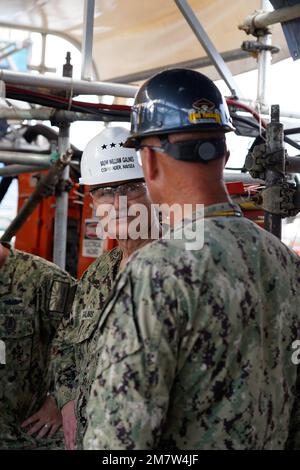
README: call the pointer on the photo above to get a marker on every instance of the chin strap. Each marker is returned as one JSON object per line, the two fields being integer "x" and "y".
{"x": 204, "y": 150}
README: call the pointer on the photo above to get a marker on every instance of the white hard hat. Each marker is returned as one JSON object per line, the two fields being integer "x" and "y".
{"x": 105, "y": 160}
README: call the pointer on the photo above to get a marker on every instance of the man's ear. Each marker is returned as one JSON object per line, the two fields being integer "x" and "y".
{"x": 149, "y": 163}
{"x": 227, "y": 155}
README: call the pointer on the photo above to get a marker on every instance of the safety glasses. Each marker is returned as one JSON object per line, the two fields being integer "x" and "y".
{"x": 139, "y": 148}
{"x": 107, "y": 194}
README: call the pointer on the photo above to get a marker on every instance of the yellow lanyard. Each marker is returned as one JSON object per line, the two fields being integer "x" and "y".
{"x": 224, "y": 214}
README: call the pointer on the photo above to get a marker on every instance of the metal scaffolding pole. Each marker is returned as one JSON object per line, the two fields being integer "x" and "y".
{"x": 264, "y": 62}
{"x": 23, "y": 158}
{"x": 261, "y": 20}
{"x": 62, "y": 201}
{"x": 14, "y": 170}
{"x": 45, "y": 187}
{"x": 64, "y": 83}
{"x": 274, "y": 143}
{"x": 293, "y": 164}
{"x": 245, "y": 178}
{"x": 266, "y": 110}
{"x": 229, "y": 56}
{"x": 60, "y": 34}
{"x": 45, "y": 114}
{"x": 87, "y": 42}
{"x": 41, "y": 68}
{"x": 208, "y": 46}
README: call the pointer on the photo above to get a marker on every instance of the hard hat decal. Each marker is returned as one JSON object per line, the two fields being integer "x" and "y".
{"x": 116, "y": 164}
{"x": 204, "y": 111}
{"x": 195, "y": 117}
{"x": 204, "y": 105}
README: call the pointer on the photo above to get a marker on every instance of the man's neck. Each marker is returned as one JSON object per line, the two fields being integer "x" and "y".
{"x": 130, "y": 246}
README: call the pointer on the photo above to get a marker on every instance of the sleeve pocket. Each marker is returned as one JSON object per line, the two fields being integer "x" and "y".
{"x": 17, "y": 335}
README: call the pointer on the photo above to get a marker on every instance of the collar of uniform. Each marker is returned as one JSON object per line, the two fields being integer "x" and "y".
{"x": 216, "y": 209}
{"x": 7, "y": 271}
{"x": 105, "y": 265}
{"x": 223, "y": 209}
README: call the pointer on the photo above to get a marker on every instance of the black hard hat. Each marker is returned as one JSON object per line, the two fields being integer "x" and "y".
{"x": 178, "y": 100}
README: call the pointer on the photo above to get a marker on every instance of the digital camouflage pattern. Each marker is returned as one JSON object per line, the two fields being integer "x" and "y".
{"x": 195, "y": 346}
{"x": 34, "y": 295}
{"x": 74, "y": 347}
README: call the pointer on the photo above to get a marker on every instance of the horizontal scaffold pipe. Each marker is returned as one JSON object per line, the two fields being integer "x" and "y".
{"x": 73, "y": 86}
{"x": 23, "y": 158}
{"x": 260, "y": 20}
{"x": 14, "y": 170}
{"x": 46, "y": 114}
{"x": 293, "y": 164}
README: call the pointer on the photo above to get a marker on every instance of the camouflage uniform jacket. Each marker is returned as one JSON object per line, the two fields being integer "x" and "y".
{"x": 195, "y": 350}
{"x": 34, "y": 295}
{"x": 74, "y": 347}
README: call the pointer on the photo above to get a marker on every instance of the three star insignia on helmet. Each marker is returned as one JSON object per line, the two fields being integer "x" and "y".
{"x": 104, "y": 146}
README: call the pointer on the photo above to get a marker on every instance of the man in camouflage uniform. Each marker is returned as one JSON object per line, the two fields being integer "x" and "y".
{"x": 34, "y": 295}
{"x": 195, "y": 350}
{"x": 73, "y": 351}
{"x": 74, "y": 348}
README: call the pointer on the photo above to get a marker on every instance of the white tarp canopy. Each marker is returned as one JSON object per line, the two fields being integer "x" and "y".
{"x": 131, "y": 36}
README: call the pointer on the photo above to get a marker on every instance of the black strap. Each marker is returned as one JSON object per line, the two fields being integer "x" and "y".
{"x": 204, "y": 150}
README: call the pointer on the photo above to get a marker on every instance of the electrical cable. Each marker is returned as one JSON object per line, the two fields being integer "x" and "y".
{"x": 252, "y": 124}
{"x": 60, "y": 105}
{"x": 59, "y": 102}
{"x": 245, "y": 107}
{"x": 236, "y": 169}
{"x": 246, "y": 121}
